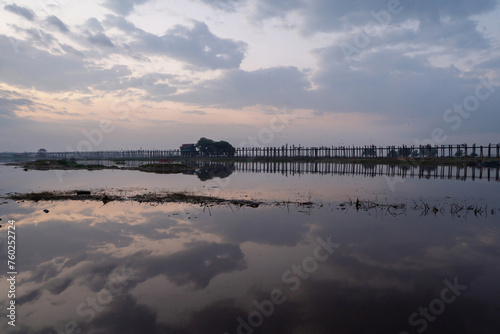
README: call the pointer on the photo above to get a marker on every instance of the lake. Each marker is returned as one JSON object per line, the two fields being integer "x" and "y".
{"x": 419, "y": 254}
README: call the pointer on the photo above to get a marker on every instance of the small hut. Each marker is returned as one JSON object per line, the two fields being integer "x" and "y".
{"x": 41, "y": 153}
{"x": 188, "y": 150}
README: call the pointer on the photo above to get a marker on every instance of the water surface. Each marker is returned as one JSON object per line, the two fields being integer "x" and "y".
{"x": 126, "y": 267}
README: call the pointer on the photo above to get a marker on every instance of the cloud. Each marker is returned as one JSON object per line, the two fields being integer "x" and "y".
{"x": 21, "y": 11}
{"x": 93, "y": 25}
{"x": 100, "y": 39}
{"x": 55, "y": 21}
{"x": 29, "y": 297}
{"x": 265, "y": 227}
{"x": 71, "y": 50}
{"x": 269, "y": 8}
{"x": 277, "y": 86}
{"x": 338, "y": 15}
{"x": 394, "y": 85}
{"x": 492, "y": 63}
{"x": 194, "y": 45}
{"x": 408, "y": 270}
{"x": 195, "y": 112}
{"x": 11, "y": 101}
{"x": 123, "y": 7}
{"x": 42, "y": 270}
{"x": 59, "y": 285}
{"x": 39, "y": 37}
{"x": 198, "y": 264}
{"x": 387, "y": 83}
{"x": 9, "y": 105}
{"x": 153, "y": 85}
{"x": 425, "y": 57}
{"x": 227, "y": 5}
{"x": 31, "y": 67}
{"x": 122, "y": 24}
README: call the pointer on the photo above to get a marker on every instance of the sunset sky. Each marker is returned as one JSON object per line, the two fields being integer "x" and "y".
{"x": 114, "y": 74}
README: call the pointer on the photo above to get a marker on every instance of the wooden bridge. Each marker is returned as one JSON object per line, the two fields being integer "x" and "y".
{"x": 287, "y": 151}
{"x": 441, "y": 151}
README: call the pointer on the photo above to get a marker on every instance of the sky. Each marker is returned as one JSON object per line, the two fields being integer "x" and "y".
{"x": 131, "y": 74}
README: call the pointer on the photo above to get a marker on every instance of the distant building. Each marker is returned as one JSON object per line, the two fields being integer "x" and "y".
{"x": 188, "y": 150}
{"x": 41, "y": 153}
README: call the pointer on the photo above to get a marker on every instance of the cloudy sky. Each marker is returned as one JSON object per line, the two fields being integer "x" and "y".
{"x": 125, "y": 74}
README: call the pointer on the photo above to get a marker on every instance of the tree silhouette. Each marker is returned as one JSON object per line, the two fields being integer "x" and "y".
{"x": 210, "y": 148}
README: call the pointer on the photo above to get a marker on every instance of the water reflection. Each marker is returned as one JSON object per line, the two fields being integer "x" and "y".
{"x": 280, "y": 185}
{"x": 124, "y": 268}
{"x": 208, "y": 170}
{"x": 404, "y": 171}
{"x": 204, "y": 170}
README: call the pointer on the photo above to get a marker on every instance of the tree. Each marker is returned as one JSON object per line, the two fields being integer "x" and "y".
{"x": 370, "y": 152}
{"x": 223, "y": 148}
{"x": 429, "y": 151}
{"x": 210, "y": 171}
{"x": 404, "y": 152}
{"x": 209, "y": 148}
{"x": 205, "y": 146}
{"x": 392, "y": 154}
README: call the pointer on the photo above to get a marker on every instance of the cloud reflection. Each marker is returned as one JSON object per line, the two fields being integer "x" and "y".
{"x": 383, "y": 272}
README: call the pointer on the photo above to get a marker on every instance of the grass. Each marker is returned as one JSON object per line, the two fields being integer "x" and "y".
{"x": 455, "y": 209}
{"x": 151, "y": 197}
{"x": 39, "y": 196}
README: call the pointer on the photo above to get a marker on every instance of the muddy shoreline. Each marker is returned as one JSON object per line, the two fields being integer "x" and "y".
{"x": 453, "y": 207}
{"x": 44, "y": 165}
{"x": 147, "y": 197}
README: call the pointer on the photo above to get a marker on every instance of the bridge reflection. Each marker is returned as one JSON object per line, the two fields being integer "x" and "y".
{"x": 207, "y": 170}
{"x": 404, "y": 171}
